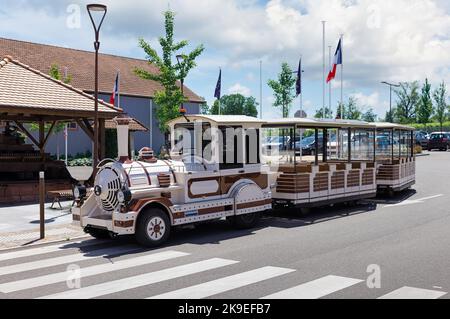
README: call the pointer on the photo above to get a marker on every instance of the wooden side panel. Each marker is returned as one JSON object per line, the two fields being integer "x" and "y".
{"x": 338, "y": 180}
{"x": 293, "y": 183}
{"x": 321, "y": 182}
{"x": 353, "y": 178}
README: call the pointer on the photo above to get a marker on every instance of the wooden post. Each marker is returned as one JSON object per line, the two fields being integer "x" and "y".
{"x": 41, "y": 142}
{"x": 42, "y": 204}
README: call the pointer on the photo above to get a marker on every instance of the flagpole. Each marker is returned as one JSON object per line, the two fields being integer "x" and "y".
{"x": 260, "y": 90}
{"x": 342, "y": 76}
{"x": 118, "y": 88}
{"x": 220, "y": 72}
{"x": 323, "y": 71}
{"x": 329, "y": 84}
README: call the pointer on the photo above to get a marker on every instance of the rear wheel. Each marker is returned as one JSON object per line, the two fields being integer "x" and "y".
{"x": 246, "y": 221}
{"x": 153, "y": 228}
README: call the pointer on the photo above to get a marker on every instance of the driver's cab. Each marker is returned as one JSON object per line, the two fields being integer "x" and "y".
{"x": 217, "y": 151}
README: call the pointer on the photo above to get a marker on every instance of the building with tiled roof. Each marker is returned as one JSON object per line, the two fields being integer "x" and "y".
{"x": 136, "y": 94}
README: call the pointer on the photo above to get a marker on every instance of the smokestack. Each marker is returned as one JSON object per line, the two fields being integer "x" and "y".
{"x": 123, "y": 122}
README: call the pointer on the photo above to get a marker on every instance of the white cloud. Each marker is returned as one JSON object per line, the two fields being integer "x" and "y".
{"x": 371, "y": 101}
{"x": 238, "y": 88}
{"x": 400, "y": 40}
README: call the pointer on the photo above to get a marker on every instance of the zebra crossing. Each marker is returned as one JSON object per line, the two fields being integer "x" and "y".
{"x": 17, "y": 275}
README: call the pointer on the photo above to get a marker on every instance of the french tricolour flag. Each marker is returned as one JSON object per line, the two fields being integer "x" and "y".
{"x": 337, "y": 61}
{"x": 115, "y": 91}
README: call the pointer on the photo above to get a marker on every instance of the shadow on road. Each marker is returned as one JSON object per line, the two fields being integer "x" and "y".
{"x": 392, "y": 200}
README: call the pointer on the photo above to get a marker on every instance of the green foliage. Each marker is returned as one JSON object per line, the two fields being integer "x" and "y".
{"x": 284, "y": 89}
{"x": 408, "y": 101}
{"x": 432, "y": 127}
{"x": 425, "y": 106}
{"x": 442, "y": 109}
{"x": 235, "y": 104}
{"x": 352, "y": 110}
{"x": 81, "y": 159}
{"x": 328, "y": 113}
{"x": 168, "y": 100}
{"x": 369, "y": 116}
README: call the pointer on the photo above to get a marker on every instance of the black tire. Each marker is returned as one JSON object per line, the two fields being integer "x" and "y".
{"x": 161, "y": 228}
{"x": 98, "y": 233}
{"x": 246, "y": 221}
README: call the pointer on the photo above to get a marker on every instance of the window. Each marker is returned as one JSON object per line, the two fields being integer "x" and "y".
{"x": 252, "y": 146}
{"x": 232, "y": 148}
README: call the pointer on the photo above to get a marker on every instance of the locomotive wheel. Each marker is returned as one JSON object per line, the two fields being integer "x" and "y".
{"x": 153, "y": 228}
{"x": 246, "y": 221}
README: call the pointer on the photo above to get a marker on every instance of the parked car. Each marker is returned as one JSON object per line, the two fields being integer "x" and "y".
{"x": 440, "y": 141}
{"x": 422, "y": 138}
{"x": 279, "y": 143}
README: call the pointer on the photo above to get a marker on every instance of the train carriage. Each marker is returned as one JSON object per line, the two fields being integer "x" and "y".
{"x": 320, "y": 162}
{"x": 395, "y": 156}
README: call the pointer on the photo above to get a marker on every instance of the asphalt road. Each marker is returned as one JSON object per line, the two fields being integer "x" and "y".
{"x": 326, "y": 254}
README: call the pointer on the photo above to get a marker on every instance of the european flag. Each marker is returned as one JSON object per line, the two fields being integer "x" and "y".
{"x": 217, "y": 94}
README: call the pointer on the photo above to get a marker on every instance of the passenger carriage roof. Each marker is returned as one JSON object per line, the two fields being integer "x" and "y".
{"x": 219, "y": 119}
{"x": 320, "y": 123}
{"x": 386, "y": 125}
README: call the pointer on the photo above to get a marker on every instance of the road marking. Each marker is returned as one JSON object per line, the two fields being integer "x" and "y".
{"x": 413, "y": 293}
{"x": 225, "y": 284}
{"x": 141, "y": 280}
{"x": 48, "y": 249}
{"x": 83, "y": 256}
{"x": 414, "y": 201}
{"x": 89, "y": 271}
{"x": 315, "y": 289}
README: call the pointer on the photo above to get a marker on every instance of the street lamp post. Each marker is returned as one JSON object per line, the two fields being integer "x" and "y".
{"x": 390, "y": 95}
{"x": 101, "y": 10}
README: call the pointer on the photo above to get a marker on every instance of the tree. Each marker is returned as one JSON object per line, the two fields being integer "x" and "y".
{"x": 389, "y": 117}
{"x": 59, "y": 127}
{"x": 328, "y": 113}
{"x": 169, "y": 99}
{"x": 408, "y": 100}
{"x": 284, "y": 89}
{"x": 352, "y": 110}
{"x": 425, "y": 106}
{"x": 369, "y": 116}
{"x": 442, "y": 109}
{"x": 235, "y": 104}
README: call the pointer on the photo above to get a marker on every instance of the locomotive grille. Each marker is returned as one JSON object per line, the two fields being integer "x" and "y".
{"x": 108, "y": 183}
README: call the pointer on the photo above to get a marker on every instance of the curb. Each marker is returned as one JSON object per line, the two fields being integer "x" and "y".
{"x": 44, "y": 243}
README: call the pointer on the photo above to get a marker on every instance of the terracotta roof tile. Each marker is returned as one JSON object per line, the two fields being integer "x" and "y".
{"x": 135, "y": 125}
{"x": 80, "y": 64}
{"x": 22, "y": 87}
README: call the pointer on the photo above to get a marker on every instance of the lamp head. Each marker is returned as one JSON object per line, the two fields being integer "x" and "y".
{"x": 97, "y": 9}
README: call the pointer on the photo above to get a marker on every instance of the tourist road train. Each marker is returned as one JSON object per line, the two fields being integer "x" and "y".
{"x": 237, "y": 167}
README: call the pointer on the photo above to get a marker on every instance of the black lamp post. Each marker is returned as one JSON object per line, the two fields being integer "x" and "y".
{"x": 390, "y": 95}
{"x": 99, "y": 10}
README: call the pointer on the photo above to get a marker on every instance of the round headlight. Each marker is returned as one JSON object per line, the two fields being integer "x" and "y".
{"x": 121, "y": 197}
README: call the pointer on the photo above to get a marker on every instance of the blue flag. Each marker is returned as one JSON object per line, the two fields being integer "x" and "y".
{"x": 299, "y": 79}
{"x": 217, "y": 94}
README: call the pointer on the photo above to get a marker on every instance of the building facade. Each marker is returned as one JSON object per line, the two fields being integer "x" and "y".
{"x": 136, "y": 94}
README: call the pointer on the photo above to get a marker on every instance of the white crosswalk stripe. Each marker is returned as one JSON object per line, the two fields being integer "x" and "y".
{"x": 315, "y": 289}
{"x": 89, "y": 271}
{"x": 225, "y": 284}
{"x": 413, "y": 293}
{"x": 47, "y": 249}
{"x": 142, "y": 280}
{"x": 77, "y": 257}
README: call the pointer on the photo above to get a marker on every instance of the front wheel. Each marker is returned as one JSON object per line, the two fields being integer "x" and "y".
{"x": 153, "y": 228}
{"x": 246, "y": 221}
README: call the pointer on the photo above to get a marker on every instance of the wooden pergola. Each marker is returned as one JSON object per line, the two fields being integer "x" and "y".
{"x": 29, "y": 96}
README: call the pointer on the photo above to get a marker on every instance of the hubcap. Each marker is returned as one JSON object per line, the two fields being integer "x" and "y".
{"x": 156, "y": 228}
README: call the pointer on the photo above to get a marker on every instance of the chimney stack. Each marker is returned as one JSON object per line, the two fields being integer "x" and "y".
{"x": 123, "y": 129}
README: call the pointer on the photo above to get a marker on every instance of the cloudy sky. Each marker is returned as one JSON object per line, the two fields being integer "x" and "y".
{"x": 384, "y": 40}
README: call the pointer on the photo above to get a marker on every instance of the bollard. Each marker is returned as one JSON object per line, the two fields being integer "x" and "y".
{"x": 42, "y": 203}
